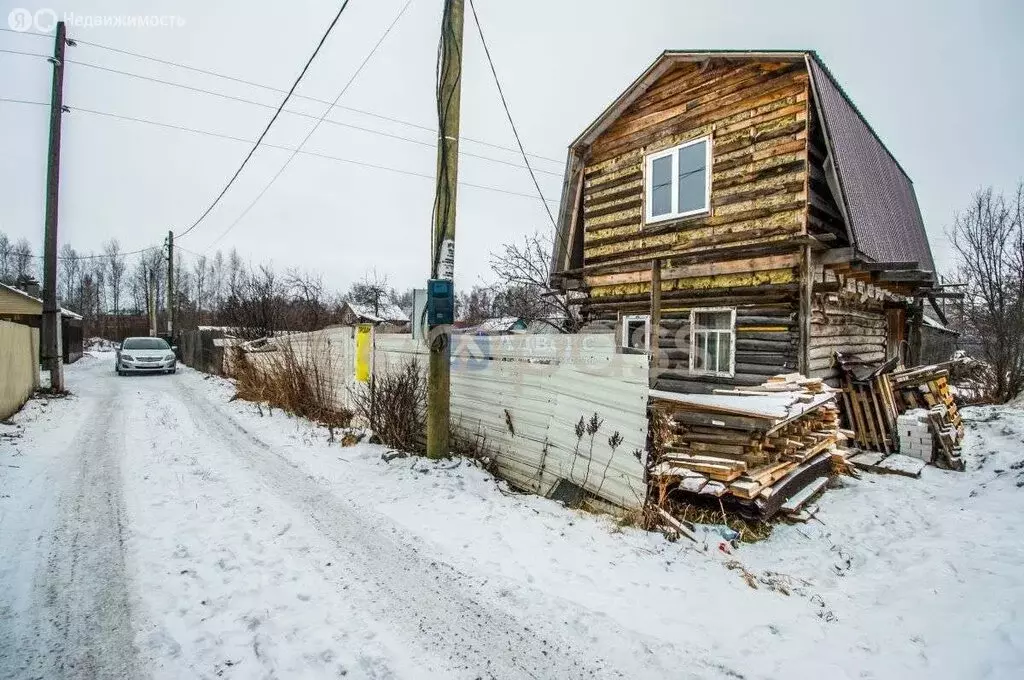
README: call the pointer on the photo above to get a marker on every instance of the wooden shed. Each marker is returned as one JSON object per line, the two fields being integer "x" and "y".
{"x": 734, "y": 215}
{"x": 19, "y": 306}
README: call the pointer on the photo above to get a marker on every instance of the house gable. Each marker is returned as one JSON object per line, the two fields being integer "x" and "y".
{"x": 862, "y": 195}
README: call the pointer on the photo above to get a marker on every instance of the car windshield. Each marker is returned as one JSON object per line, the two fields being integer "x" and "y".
{"x": 145, "y": 343}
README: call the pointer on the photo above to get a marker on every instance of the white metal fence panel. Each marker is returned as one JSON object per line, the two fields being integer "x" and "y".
{"x": 523, "y": 396}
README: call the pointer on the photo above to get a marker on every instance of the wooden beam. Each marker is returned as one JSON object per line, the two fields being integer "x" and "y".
{"x": 705, "y": 268}
{"x": 806, "y": 309}
{"x": 908, "y": 275}
{"x": 655, "y": 321}
{"x": 889, "y": 266}
{"x": 835, "y": 256}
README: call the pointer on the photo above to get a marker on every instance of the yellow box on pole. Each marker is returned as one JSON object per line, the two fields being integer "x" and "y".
{"x": 364, "y": 352}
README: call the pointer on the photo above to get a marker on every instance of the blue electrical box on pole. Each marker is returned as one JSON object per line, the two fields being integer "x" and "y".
{"x": 440, "y": 302}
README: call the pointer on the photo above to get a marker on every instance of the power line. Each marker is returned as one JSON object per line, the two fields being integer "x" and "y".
{"x": 95, "y": 256}
{"x": 304, "y": 152}
{"x": 24, "y": 101}
{"x": 266, "y": 130}
{"x": 316, "y": 127}
{"x": 319, "y": 119}
{"x": 32, "y": 33}
{"x": 508, "y": 113}
{"x": 271, "y": 88}
{"x": 25, "y": 54}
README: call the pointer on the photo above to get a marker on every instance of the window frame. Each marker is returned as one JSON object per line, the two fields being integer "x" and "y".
{"x": 732, "y": 346}
{"x": 624, "y": 335}
{"x": 673, "y": 153}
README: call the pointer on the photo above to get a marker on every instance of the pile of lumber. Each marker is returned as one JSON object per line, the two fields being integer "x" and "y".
{"x": 756, "y": 446}
{"x": 927, "y": 387}
{"x": 873, "y": 402}
{"x": 870, "y": 408}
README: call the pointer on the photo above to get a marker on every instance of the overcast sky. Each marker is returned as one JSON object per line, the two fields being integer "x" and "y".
{"x": 940, "y": 81}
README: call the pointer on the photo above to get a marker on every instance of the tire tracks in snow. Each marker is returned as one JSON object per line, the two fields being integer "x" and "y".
{"x": 82, "y": 617}
{"x": 436, "y": 606}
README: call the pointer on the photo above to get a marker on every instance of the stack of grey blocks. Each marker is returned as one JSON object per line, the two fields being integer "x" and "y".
{"x": 914, "y": 435}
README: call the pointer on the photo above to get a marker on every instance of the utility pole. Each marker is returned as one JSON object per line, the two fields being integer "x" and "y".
{"x": 170, "y": 286}
{"x": 51, "y": 352}
{"x": 151, "y": 301}
{"x": 449, "y": 104}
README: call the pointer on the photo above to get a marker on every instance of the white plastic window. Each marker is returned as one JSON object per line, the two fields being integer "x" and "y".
{"x": 678, "y": 181}
{"x": 713, "y": 341}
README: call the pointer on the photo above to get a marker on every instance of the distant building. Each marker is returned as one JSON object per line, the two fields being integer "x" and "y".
{"x": 388, "y": 317}
{"x": 22, "y": 307}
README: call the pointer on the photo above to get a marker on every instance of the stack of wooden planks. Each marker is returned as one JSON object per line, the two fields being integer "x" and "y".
{"x": 927, "y": 387}
{"x": 871, "y": 409}
{"x": 758, "y": 446}
{"x": 872, "y": 403}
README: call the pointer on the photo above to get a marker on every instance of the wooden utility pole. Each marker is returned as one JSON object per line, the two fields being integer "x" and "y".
{"x": 151, "y": 302}
{"x": 449, "y": 103}
{"x": 51, "y": 330}
{"x": 170, "y": 285}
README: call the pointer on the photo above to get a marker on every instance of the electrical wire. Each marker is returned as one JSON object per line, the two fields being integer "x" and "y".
{"x": 95, "y": 257}
{"x": 508, "y": 114}
{"x": 266, "y": 130}
{"x": 271, "y": 88}
{"x": 25, "y": 54}
{"x": 23, "y": 101}
{"x": 319, "y": 119}
{"x": 32, "y": 33}
{"x": 316, "y": 127}
{"x": 305, "y": 152}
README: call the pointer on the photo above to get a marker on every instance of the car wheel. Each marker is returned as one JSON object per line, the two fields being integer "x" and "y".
{"x": 120, "y": 372}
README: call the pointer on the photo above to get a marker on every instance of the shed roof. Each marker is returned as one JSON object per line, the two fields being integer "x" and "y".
{"x": 877, "y": 194}
{"x": 385, "y": 312}
{"x": 67, "y": 313}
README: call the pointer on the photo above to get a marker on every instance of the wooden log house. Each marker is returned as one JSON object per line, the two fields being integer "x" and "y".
{"x": 736, "y": 217}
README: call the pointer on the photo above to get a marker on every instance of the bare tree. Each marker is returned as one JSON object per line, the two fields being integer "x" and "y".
{"x": 372, "y": 292}
{"x": 256, "y": 302}
{"x": 477, "y": 305}
{"x": 200, "y": 274}
{"x": 307, "y": 302}
{"x": 989, "y": 240}
{"x": 524, "y": 270}
{"x": 6, "y": 267}
{"x": 70, "y": 277}
{"x": 116, "y": 267}
{"x": 22, "y": 261}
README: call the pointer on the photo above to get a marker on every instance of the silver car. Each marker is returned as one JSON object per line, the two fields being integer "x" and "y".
{"x": 145, "y": 355}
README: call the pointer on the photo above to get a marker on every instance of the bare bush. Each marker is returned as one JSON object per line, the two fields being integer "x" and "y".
{"x": 989, "y": 241}
{"x": 524, "y": 271}
{"x": 296, "y": 379}
{"x": 395, "y": 406}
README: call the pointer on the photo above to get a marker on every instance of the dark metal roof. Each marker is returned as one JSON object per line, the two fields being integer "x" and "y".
{"x": 878, "y": 195}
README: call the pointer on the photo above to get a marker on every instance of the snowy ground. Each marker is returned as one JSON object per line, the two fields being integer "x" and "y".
{"x": 151, "y": 528}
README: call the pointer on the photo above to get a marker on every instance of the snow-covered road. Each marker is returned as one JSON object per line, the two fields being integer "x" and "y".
{"x": 151, "y": 527}
{"x": 161, "y": 538}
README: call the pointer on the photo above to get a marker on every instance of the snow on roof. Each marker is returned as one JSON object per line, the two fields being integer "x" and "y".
{"x": 64, "y": 312}
{"x": 385, "y": 312}
{"x": 936, "y": 324}
{"x": 496, "y": 325}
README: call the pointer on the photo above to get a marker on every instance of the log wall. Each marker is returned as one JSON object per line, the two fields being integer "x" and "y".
{"x": 849, "y": 318}
{"x": 744, "y": 253}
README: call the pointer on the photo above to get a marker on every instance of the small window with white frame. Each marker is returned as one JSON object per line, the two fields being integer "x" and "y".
{"x": 677, "y": 181}
{"x": 636, "y": 332}
{"x": 713, "y": 341}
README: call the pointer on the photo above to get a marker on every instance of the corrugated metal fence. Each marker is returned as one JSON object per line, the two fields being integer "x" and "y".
{"x": 525, "y": 395}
